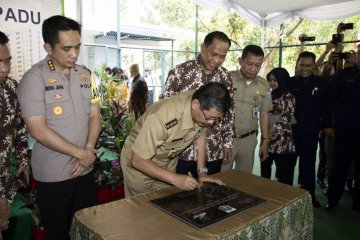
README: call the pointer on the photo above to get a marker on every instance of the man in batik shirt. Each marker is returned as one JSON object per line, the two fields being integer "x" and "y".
{"x": 13, "y": 135}
{"x": 191, "y": 75}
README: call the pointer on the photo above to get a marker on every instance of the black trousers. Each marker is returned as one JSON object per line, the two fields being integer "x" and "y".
{"x": 321, "y": 173}
{"x": 185, "y": 166}
{"x": 306, "y": 146}
{"x": 285, "y": 165}
{"x": 347, "y": 147}
{"x": 58, "y": 201}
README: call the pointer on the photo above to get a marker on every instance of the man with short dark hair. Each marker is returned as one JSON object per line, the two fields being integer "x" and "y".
{"x": 149, "y": 155}
{"x": 252, "y": 102}
{"x": 311, "y": 93}
{"x": 191, "y": 75}
{"x": 63, "y": 115}
{"x": 13, "y": 135}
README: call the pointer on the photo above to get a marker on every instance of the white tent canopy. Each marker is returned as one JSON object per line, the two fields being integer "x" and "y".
{"x": 270, "y": 13}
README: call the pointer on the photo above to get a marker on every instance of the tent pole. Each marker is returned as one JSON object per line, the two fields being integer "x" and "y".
{"x": 281, "y": 43}
{"x": 118, "y": 34}
{"x": 262, "y": 39}
{"x": 79, "y": 18}
{"x": 196, "y": 30}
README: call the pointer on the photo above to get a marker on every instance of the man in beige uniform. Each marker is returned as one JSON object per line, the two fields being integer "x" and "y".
{"x": 149, "y": 156}
{"x": 252, "y": 98}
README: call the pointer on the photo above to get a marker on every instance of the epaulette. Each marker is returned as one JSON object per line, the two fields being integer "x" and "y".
{"x": 171, "y": 123}
{"x": 86, "y": 68}
{"x": 51, "y": 65}
{"x": 263, "y": 81}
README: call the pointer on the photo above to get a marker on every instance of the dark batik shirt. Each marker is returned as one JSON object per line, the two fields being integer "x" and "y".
{"x": 13, "y": 136}
{"x": 281, "y": 141}
{"x": 189, "y": 76}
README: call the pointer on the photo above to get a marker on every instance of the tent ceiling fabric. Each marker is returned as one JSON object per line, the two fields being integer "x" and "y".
{"x": 270, "y": 13}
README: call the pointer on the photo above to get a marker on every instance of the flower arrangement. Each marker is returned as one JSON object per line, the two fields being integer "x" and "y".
{"x": 115, "y": 119}
{"x": 116, "y": 124}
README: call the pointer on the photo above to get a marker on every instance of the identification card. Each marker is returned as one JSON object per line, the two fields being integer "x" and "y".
{"x": 255, "y": 112}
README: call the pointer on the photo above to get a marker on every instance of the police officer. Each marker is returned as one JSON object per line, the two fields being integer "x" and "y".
{"x": 63, "y": 116}
{"x": 252, "y": 102}
{"x": 310, "y": 100}
{"x": 344, "y": 101}
{"x": 149, "y": 155}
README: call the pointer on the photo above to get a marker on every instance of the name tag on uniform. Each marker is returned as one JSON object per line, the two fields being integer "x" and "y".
{"x": 177, "y": 139}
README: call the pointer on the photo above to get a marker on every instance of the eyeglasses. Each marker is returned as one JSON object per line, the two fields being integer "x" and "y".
{"x": 208, "y": 118}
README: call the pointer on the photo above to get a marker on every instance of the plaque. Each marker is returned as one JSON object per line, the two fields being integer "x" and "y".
{"x": 208, "y": 205}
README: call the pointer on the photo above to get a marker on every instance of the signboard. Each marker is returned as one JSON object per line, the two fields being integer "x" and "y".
{"x": 22, "y": 21}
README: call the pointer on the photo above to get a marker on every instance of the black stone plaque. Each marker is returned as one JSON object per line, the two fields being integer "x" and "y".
{"x": 208, "y": 205}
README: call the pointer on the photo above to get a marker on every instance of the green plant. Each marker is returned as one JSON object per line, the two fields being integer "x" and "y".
{"x": 115, "y": 119}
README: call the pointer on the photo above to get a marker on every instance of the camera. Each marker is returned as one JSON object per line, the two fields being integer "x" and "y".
{"x": 343, "y": 55}
{"x": 345, "y": 26}
{"x": 304, "y": 38}
{"x": 337, "y": 38}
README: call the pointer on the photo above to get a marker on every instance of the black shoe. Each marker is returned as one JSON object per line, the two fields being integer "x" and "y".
{"x": 331, "y": 206}
{"x": 321, "y": 183}
{"x": 316, "y": 203}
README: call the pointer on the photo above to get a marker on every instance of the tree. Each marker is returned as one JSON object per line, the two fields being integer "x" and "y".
{"x": 181, "y": 14}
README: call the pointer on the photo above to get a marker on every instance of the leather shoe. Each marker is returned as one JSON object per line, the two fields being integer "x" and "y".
{"x": 321, "y": 183}
{"x": 330, "y": 206}
{"x": 316, "y": 203}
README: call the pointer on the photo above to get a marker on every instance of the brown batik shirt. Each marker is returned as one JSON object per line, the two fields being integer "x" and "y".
{"x": 13, "y": 136}
{"x": 189, "y": 76}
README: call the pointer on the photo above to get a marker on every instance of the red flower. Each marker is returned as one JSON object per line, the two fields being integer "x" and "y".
{"x": 32, "y": 185}
{"x": 39, "y": 233}
{"x": 119, "y": 192}
{"x": 103, "y": 195}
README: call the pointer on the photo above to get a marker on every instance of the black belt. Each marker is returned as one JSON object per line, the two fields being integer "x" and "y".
{"x": 245, "y": 134}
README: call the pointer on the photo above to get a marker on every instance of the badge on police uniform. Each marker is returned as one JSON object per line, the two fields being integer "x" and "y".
{"x": 83, "y": 77}
{"x": 52, "y": 80}
{"x": 58, "y": 110}
{"x": 57, "y": 96}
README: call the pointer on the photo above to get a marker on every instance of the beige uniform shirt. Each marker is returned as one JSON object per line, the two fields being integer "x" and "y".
{"x": 159, "y": 135}
{"x": 44, "y": 91}
{"x": 248, "y": 99}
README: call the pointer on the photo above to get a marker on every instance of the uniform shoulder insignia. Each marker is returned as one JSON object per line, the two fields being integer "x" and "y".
{"x": 262, "y": 80}
{"x": 171, "y": 123}
{"x": 86, "y": 68}
{"x": 51, "y": 65}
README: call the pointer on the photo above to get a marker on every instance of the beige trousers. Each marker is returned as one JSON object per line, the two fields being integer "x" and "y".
{"x": 242, "y": 154}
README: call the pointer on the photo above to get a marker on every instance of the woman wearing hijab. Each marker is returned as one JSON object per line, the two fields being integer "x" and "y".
{"x": 281, "y": 117}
